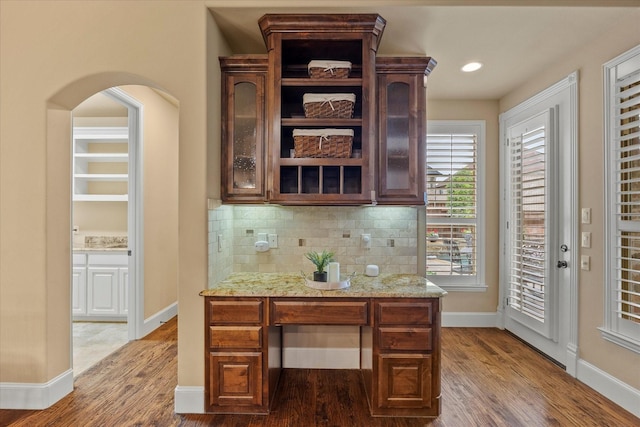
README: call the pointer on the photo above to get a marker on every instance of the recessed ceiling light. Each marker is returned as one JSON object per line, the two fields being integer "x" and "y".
{"x": 471, "y": 66}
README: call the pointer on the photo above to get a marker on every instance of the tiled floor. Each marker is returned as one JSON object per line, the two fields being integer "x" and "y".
{"x": 92, "y": 341}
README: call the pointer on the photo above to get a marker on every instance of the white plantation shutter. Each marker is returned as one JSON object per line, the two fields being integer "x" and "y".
{"x": 453, "y": 209}
{"x": 452, "y": 164}
{"x": 622, "y": 322}
{"x": 627, "y": 176}
{"x": 527, "y": 278}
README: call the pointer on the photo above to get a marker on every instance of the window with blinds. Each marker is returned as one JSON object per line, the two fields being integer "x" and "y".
{"x": 453, "y": 191}
{"x": 622, "y": 90}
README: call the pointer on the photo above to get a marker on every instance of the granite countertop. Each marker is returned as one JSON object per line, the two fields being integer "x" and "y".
{"x": 293, "y": 285}
{"x": 86, "y": 249}
{"x": 103, "y": 244}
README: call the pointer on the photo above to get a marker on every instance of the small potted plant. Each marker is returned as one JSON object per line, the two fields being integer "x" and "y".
{"x": 320, "y": 260}
{"x": 433, "y": 236}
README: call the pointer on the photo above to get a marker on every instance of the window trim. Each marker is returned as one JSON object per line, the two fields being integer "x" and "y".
{"x": 625, "y": 64}
{"x": 477, "y": 282}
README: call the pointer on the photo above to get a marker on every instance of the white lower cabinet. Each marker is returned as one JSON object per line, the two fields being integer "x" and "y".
{"x": 79, "y": 291}
{"x": 123, "y": 292}
{"x": 102, "y": 291}
{"x": 100, "y": 288}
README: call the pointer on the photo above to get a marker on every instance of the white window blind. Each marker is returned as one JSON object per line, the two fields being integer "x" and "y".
{"x": 622, "y": 322}
{"x": 453, "y": 192}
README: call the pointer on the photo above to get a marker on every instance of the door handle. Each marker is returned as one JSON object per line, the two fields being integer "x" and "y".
{"x": 562, "y": 264}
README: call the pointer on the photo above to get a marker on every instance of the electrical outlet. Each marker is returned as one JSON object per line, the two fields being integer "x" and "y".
{"x": 366, "y": 240}
{"x": 273, "y": 240}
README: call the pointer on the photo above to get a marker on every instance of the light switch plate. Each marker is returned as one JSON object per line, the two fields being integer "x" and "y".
{"x": 273, "y": 241}
{"x": 586, "y": 215}
{"x": 586, "y": 239}
{"x": 585, "y": 262}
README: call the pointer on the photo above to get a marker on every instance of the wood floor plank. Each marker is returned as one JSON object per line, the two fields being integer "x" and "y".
{"x": 489, "y": 378}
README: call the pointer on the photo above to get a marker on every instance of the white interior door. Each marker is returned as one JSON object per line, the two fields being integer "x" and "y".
{"x": 539, "y": 226}
{"x": 133, "y": 294}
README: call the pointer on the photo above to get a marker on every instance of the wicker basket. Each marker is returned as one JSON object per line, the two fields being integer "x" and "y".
{"x": 323, "y": 142}
{"x": 328, "y": 105}
{"x": 327, "y": 69}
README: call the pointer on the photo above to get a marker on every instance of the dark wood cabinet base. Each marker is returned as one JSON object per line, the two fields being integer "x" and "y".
{"x": 400, "y": 350}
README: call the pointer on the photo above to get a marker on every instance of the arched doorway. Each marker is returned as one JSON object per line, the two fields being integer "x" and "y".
{"x": 160, "y": 137}
{"x": 106, "y": 182}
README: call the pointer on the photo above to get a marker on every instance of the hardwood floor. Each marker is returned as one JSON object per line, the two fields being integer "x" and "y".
{"x": 489, "y": 378}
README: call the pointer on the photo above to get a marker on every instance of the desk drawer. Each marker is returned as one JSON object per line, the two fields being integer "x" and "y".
{"x": 319, "y": 312}
{"x": 405, "y": 339}
{"x": 235, "y": 312}
{"x": 235, "y": 337}
{"x": 410, "y": 313}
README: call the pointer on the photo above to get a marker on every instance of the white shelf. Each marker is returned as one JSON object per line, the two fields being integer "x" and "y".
{"x": 109, "y": 134}
{"x": 103, "y": 157}
{"x": 89, "y": 149}
{"x": 100, "y": 197}
{"x": 102, "y": 176}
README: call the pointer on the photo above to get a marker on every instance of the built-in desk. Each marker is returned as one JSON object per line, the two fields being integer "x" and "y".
{"x": 399, "y": 320}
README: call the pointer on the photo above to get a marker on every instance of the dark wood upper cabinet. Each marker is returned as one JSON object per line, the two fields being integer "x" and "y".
{"x": 293, "y": 41}
{"x": 243, "y": 128}
{"x": 402, "y": 129}
{"x": 284, "y": 153}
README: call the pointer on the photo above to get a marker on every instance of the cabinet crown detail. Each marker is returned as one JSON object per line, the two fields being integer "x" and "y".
{"x": 332, "y": 24}
{"x": 405, "y": 65}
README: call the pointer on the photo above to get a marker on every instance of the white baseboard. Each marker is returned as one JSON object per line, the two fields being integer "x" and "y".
{"x": 572, "y": 359}
{"x": 154, "y": 322}
{"x": 188, "y": 400}
{"x": 610, "y": 387}
{"x": 36, "y": 396}
{"x": 469, "y": 320}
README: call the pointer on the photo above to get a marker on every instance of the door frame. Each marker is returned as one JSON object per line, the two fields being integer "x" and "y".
{"x": 135, "y": 223}
{"x": 567, "y": 318}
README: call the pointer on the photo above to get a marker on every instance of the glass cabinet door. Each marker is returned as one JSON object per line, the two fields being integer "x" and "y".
{"x": 402, "y": 114}
{"x": 401, "y": 142}
{"x": 243, "y": 129}
{"x": 244, "y": 141}
{"x": 398, "y": 143}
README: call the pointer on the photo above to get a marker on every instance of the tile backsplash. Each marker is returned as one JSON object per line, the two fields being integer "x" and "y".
{"x": 233, "y": 230}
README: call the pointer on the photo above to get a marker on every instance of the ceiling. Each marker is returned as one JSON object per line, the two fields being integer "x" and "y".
{"x": 100, "y": 105}
{"x": 513, "y": 42}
